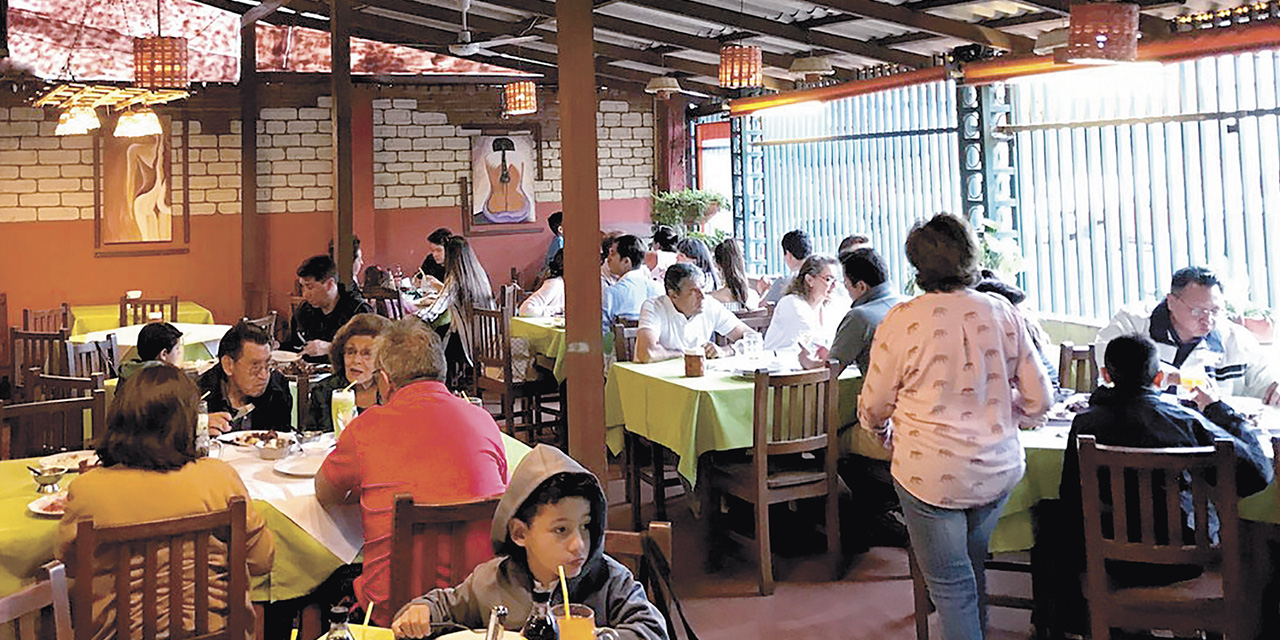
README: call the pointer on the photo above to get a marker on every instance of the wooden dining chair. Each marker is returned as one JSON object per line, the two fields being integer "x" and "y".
{"x": 429, "y": 545}
{"x": 757, "y": 319}
{"x": 6, "y": 361}
{"x": 793, "y": 457}
{"x": 46, "y": 350}
{"x": 1136, "y": 515}
{"x": 32, "y": 429}
{"x": 47, "y": 320}
{"x": 267, "y": 323}
{"x": 94, "y": 356}
{"x": 151, "y": 569}
{"x": 24, "y": 607}
{"x": 385, "y": 302}
{"x": 492, "y": 353}
{"x": 649, "y": 555}
{"x": 1077, "y": 368}
{"x": 139, "y": 310}
{"x": 41, "y": 387}
{"x": 624, "y": 341}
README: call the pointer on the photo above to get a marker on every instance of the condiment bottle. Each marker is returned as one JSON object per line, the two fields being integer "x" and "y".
{"x": 338, "y": 624}
{"x": 540, "y": 625}
{"x": 202, "y": 430}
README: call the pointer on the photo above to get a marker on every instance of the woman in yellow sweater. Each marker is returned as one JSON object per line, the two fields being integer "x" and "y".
{"x": 150, "y": 472}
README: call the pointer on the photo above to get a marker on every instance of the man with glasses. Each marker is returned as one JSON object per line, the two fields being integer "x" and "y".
{"x": 1190, "y": 333}
{"x": 243, "y": 378}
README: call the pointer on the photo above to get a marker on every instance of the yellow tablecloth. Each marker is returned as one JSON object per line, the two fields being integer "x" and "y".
{"x": 301, "y": 563}
{"x": 96, "y": 317}
{"x": 199, "y": 340}
{"x": 546, "y": 336}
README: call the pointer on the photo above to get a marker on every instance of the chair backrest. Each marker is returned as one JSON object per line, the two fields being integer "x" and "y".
{"x": 757, "y": 319}
{"x": 511, "y": 295}
{"x": 39, "y": 387}
{"x": 159, "y": 551}
{"x": 94, "y": 356}
{"x": 1133, "y": 510}
{"x": 795, "y": 412}
{"x": 385, "y": 302}
{"x": 46, "y": 350}
{"x": 624, "y": 341}
{"x": 267, "y": 323}
{"x": 303, "y": 380}
{"x": 5, "y": 361}
{"x": 138, "y": 310}
{"x": 649, "y": 555}
{"x": 1077, "y": 368}
{"x": 417, "y": 533}
{"x": 47, "y": 319}
{"x": 50, "y": 426}
{"x": 23, "y": 608}
{"x": 491, "y": 341}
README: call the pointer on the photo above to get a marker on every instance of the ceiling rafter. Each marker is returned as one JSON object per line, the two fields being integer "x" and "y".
{"x": 603, "y": 67}
{"x": 930, "y": 23}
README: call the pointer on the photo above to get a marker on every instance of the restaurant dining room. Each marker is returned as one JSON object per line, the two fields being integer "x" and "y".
{"x": 718, "y": 319}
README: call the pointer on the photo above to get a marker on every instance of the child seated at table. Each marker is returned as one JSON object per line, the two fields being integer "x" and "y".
{"x": 552, "y": 515}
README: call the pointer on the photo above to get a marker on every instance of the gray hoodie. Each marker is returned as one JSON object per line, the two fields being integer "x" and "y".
{"x": 603, "y": 584}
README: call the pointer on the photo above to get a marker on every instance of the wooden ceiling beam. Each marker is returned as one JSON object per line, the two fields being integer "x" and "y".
{"x": 767, "y": 27}
{"x": 603, "y": 68}
{"x": 930, "y": 23}
{"x": 1153, "y": 26}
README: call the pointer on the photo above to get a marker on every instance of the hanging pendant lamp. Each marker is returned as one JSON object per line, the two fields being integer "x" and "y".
{"x": 741, "y": 66}
{"x": 1102, "y": 33}
{"x": 520, "y": 98}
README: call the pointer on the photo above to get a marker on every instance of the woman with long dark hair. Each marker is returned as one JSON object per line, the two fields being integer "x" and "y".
{"x": 150, "y": 472}
{"x": 466, "y": 287}
{"x": 695, "y": 252}
{"x": 736, "y": 294}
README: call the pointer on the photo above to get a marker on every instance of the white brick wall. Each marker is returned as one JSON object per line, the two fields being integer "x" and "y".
{"x": 295, "y": 159}
{"x": 418, "y": 156}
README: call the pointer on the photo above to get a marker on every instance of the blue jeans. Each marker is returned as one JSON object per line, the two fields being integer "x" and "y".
{"x": 951, "y": 548}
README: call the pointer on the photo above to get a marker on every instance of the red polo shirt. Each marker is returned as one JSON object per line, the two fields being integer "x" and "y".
{"x": 426, "y": 442}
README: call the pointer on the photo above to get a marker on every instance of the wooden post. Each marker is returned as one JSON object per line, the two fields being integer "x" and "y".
{"x": 671, "y": 137}
{"x": 584, "y": 355}
{"x": 343, "y": 143}
{"x": 255, "y": 259}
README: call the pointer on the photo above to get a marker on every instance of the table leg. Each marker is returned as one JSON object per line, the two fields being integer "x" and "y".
{"x": 659, "y": 482}
{"x": 633, "y": 476}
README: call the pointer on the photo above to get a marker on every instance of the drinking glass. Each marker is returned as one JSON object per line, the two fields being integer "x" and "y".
{"x": 343, "y": 410}
{"x": 1190, "y": 377}
{"x": 580, "y": 624}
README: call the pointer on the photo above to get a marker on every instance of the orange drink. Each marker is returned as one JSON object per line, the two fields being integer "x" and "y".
{"x": 579, "y": 625}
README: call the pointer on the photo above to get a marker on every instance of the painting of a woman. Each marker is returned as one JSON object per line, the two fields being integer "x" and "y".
{"x": 503, "y": 170}
{"x": 135, "y": 199}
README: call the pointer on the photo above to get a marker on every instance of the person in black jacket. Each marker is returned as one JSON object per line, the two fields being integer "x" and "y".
{"x": 243, "y": 377}
{"x": 1133, "y": 413}
{"x": 327, "y": 306}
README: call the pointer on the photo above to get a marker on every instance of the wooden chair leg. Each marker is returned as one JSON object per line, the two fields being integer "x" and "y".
{"x": 310, "y": 622}
{"x": 763, "y": 548}
{"x": 633, "y": 477}
{"x": 259, "y": 621}
{"x": 833, "y": 536}
{"x": 920, "y": 593}
{"x": 659, "y": 482}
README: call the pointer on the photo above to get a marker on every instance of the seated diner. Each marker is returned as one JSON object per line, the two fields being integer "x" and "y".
{"x": 352, "y": 358}
{"x": 242, "y": 391}
{"x": 684, "y": 319}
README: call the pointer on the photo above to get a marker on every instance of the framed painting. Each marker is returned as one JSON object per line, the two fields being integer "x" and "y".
{"x": 135, "y": 213}
{"x": 503, "y": 169}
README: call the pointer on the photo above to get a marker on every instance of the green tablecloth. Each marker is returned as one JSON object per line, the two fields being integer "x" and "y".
{"x": 301, "y": 563}
{"x": 546, "y": 337}
{"x": 96, "y": 317}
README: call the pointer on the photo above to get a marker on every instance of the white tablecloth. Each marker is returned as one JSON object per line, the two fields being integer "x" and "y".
{"x": 338, "y": 528}
{"x": 206, "y": 335}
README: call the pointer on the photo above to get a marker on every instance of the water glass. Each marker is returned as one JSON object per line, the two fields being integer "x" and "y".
{"x": 343, "y": 410}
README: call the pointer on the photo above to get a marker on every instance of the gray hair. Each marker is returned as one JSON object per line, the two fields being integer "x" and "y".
{"x": 677, "y": 273}
{"x": 408, "y": 351}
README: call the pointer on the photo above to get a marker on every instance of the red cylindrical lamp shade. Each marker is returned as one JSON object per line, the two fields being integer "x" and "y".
{"x": 1103, "y": 32}
{"x": 740, "y": 67}
{"x": 520, "y": 98}
{"x": 160, "y": 62}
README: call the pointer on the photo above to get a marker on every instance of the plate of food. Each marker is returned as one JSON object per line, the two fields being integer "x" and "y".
{"x": 300, "y": 466}
{"x": 53, "y": 504}
{"x": 253, "y": 437}
{"x": 284, "y": 357}
{"x": 71, "y": 460}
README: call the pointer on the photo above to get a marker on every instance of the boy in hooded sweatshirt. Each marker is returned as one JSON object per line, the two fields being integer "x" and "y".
{"x": 552, "y": 515}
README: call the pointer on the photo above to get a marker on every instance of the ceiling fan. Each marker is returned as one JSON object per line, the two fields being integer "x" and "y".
{"x": 465, "y": 47}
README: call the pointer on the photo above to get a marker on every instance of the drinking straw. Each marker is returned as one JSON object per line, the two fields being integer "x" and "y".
{"x": 564, "y": 589}
{"x": 205, "y": 395}
{"x": 365, "y": 627}
{"x": 348, "y": 387}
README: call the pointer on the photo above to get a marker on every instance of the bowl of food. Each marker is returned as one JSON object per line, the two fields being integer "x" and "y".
{"x": 47, "y": 478}
{"x": 274, "y": 448}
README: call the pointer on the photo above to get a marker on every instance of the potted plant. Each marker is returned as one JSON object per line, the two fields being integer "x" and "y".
{"x": 686, "y": 209}
{"x": 1260, "y": 321}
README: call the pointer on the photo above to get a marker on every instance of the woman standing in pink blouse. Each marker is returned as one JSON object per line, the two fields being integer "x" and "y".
{"x": 953, "y": 376}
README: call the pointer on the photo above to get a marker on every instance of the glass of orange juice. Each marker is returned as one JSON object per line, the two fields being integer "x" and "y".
{"x": 580, "y": 624}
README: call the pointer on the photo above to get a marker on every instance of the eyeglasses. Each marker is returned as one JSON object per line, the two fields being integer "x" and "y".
{"x": 1197, "y": 312}
{"x": 358, "y": 353}
{"x": 826, "y": 277}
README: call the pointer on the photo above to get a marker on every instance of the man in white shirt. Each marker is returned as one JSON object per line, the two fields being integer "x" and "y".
{"x": 683, "y": 319}
{"x": 1190, "y": 331}
{"x": 633, "y": 286}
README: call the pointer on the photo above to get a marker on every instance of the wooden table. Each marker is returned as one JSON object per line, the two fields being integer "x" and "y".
{"x": 96, "y": 317}
{"x": 199, "y": 341}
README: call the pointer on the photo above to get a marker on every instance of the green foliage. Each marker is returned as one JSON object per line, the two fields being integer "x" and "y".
{"x": 709, "y": 239}
{"x": 1000, "y": 251}
{"x": 685, "y": 209}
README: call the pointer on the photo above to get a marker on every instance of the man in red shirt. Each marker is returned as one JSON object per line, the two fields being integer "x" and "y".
{"x": 424, "y": 441}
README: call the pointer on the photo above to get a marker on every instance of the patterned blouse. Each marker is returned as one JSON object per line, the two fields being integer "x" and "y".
{"x": 952, "y": 378}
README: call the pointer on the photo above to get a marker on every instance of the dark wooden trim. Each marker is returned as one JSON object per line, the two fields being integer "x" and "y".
{"x": 261, "y": 11}
{"x": 254, "y": 240}
{"x": 177, "y": 244}
{"x": 469, "y": 229}
{"x": 937, "y": 25}
{"x": 343, "y": 138}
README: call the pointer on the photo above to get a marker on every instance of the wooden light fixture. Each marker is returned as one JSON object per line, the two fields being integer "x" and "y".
{"x": 1102, "y": 33}
{"x": 663, "y": 86}
{"x": 160, "y": 62}
{"x": 741, "y": 67}
{"x": 520, "y": 98}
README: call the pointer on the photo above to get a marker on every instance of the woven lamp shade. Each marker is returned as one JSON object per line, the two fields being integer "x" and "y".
{"x": 740, "y": 67}
{"x": 160, "y": 62}
{"x": 1102, "y": 32}
{"x": 520, "y": 98}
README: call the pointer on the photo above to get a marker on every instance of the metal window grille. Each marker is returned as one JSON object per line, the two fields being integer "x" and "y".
{"x": 871, "y": 164}
{"x": 1128, "y": 174}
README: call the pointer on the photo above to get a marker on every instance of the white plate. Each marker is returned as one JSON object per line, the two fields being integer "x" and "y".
{"x": 300, "y": 466}
{"x": 53, "y": 504}
{"x": 69, "y": 460}
{"x": 285, "y": 356}
{"x": 474, "y": 634}
{"x": 251, "y": 437}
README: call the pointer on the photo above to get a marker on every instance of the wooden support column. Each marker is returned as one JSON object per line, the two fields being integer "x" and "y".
{"x": 584, "y": 355}
{"x": 672, "y": 140}
{"x": 255, "y": 258}
{"x": 343, "y": 142}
